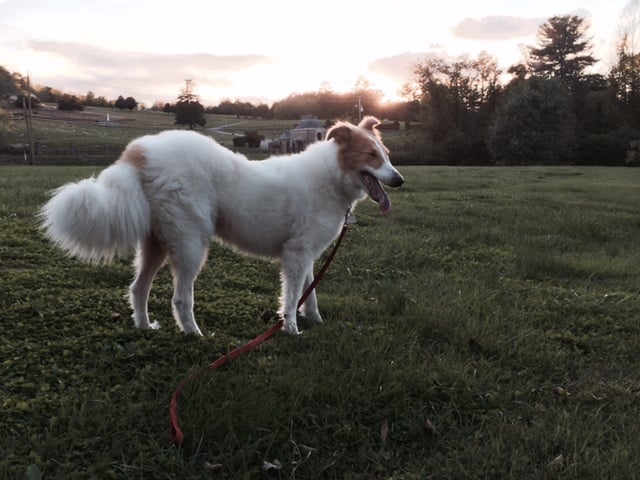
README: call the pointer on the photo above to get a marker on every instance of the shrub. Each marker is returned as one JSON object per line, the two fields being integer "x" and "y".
{"x": 69, "y": 102}
{"x": 600, "y": 150}
{"x": 534, "y": 124}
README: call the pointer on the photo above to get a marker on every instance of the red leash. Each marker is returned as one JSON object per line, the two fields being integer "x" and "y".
{"x": 177, "y": 437}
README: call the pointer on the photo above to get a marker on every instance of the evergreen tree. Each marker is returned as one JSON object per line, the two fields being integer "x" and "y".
{"x": 188, "y": 109}
{"x": 563, "y": 50}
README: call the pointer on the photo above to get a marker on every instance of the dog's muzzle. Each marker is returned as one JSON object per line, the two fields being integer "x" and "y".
{"x": 395, "y": 181}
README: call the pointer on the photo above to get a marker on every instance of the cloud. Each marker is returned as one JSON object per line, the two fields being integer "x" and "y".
{"x": 89, "y": 55}
{"x": 582, "y": 12}
{"x": 143, "y": 75}
{"x": 497, "y": 28}
{"x": 399, "y": 67}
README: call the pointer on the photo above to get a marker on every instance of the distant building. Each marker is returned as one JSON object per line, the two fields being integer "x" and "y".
{"x": 308, "y": 131}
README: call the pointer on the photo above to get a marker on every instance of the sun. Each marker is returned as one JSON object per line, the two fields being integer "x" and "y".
{"x": 283, "y": 77}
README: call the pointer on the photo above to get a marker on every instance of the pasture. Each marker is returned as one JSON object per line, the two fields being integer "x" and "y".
{"x": 83, "y": 138}
{"x": 488, "y": 327}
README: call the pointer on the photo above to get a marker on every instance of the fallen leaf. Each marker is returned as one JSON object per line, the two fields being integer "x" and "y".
{"x": 561, "y": 392}
{"x": 307, "y": 449}
{"x": 427, "y": 426}
{"x": 384, "y": 430}
{"x": 212, "y": 466}
{"x": 557, "y": 462}
{"x": 271, "y": 466}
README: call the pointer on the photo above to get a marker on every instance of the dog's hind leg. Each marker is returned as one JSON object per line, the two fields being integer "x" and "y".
{"x": 185, "y": 266}
{"x": 309, "y": 308}
{"x": 150, "y": 257}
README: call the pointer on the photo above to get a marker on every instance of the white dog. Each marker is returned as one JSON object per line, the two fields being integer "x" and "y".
{"x": 170, "y": 194}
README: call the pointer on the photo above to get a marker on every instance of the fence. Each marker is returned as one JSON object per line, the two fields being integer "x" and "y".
{"x": 62, "y": 152}
{"x": 70, "y": 149}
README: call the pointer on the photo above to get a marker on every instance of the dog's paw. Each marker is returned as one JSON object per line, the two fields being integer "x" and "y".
{"x": 313, "y": 317}
{"x": 194, "y": 330}
{"x": 290, "y": 328}
{"x": 148, "y": 326}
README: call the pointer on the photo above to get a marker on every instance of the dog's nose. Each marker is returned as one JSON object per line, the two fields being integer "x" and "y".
{"x": 396, "y": 181}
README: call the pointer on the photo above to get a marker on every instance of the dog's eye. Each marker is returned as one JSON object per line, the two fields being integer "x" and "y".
{"x": 372, "y": 153}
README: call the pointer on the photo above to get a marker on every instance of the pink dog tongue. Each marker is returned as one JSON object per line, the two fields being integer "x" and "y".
{"x": 384, "y": 202}
{"x": 376, "y": 192}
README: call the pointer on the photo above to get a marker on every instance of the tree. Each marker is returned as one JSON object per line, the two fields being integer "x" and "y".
{"x": 102, "y": 101}
{"x": 563, "y": 50}
{"x": 628, "y": 31}
{"x": 456, "y": 99}
{"x": 188, "y": 109}
{"x": 6, "y": 123}
{"x": 624, "y": 77}
{"x": 89, "y": 99}
{"x": 48, "y": 94}
{"x": 263, "y": 111}
{"x": 8, "y": 85}
{"x": 534, "y": 124}
{"x": 120, "y": 103}
{"x": 130, "y": 103}
{"x": 69, "y": 102}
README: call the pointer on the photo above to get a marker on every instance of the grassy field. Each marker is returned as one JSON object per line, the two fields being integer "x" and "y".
{"x": 486, "y": 329}
{"x": 82, "y": 130}
{"x": 86, "y": 129}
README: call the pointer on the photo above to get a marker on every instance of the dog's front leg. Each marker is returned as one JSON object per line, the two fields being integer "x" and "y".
{"x": 292, "y": 275}
{"x": 309, "y": 308}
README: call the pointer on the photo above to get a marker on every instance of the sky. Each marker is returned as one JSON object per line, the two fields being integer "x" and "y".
{"x": 265, "y": 50}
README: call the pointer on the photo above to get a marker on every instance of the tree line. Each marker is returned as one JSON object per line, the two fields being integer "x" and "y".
{"x": 552, "y": 109}
{"x": 16, "y": 84}
{"x": 324, "y": 104}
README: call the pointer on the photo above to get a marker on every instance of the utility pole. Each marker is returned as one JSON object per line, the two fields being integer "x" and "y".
{"x": 28, "y": 118}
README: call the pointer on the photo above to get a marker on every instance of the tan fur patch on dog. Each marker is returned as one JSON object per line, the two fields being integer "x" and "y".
{"x": 357, "y": 149}
{"x": 134, "y": 156}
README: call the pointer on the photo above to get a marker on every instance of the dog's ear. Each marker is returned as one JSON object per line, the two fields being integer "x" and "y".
{"x": 341, "y": 134}
{"x": 368, "y": 123}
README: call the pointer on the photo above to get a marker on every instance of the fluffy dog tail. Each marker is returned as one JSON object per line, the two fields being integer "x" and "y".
{"x": 97, "y": 218}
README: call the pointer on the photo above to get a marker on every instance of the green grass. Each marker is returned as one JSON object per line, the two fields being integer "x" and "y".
{"x": 487, "y": 328}
{"x": 59, "y": 130}
{"x": 82, "y": 128}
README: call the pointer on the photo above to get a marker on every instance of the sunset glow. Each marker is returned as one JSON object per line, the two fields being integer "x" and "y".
{"x": 264, "y": 51}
